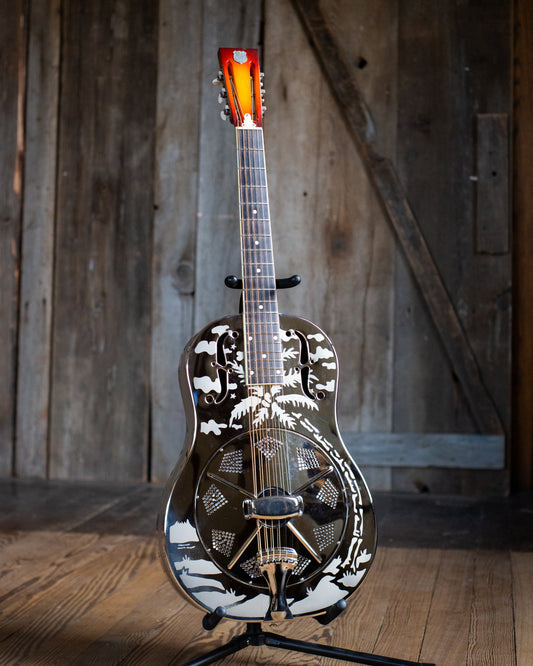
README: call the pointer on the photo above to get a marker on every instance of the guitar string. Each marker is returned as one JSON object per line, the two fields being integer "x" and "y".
{"x": 256, "y": 365}
{"x": 280, "y": 482}
{"x": 259, "y": 217}
{"x": 258, "y": 223}
{"x": 256, "y": 215}
{"x": 246, "y": 327}
{"x": 258, "y": 177}
{"x": 255, "y": 372}
{"x": 257, "y": 352}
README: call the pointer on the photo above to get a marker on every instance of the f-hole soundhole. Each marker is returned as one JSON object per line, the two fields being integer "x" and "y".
{"x": 222, "y": 372}
{"x": 305, "y": 368}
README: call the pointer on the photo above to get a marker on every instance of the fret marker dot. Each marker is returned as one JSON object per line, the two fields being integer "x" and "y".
{"x": 260, "y": 307}
{"x": 255, "y": 211}
{"x": 257, "y": 242}
{"x": 250, "y": 338}
{"x": 278, "y": 372}
{"x": 258, "y": 270}
{"x": 264, "y": 355}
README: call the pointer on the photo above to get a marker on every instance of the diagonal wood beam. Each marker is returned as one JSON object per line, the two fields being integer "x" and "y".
{"x": 392, "y": 196}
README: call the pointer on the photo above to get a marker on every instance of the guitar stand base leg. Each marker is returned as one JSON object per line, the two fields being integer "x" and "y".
{"x": 255, "y": 636}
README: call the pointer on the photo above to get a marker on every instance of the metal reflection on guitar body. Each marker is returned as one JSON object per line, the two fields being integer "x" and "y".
{"x": 265, "y": 516}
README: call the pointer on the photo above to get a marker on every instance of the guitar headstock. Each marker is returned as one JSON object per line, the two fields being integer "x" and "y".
{"x": 243, "y": 87}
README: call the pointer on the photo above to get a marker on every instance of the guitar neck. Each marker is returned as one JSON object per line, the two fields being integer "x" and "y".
{"x": 263, "y": 359}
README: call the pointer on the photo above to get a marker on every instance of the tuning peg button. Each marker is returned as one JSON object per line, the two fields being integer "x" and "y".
{"x": 219, "y": 79}
{"x": 222, "y": 96}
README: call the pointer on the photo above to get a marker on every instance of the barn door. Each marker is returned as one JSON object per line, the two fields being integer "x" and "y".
{"x": 397, "y": 182}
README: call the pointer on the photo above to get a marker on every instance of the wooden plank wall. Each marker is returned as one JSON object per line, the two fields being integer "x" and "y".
{"x": 13, "y": 28}
{"x": 127, "y": 222}
{"x": 439, "y": 98}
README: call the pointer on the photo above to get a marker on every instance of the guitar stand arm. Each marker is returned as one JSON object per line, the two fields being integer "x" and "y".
{"x": 234, "y": 282}
{"x": 255, "y": 636}
{"x": 331, "y": 613}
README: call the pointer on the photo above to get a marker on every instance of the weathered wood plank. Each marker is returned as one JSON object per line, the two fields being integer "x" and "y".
{"x": 446, "y": 634}
{"x": 153, "y": 631}
{"x": 226, "y": 23}
{"x": 522, "y": 570}
{"x": 358, "y": 251}
{"x": 73, "y": 642}
{"x": 522, "y": 450}
{"x": 73, "y": 595}
{"x": 491, "y": 638}
{"x": 33, "y": 380}
{"x": 457, "y": 451}
{"x": 492, "y": 183}
{"x": 404, "y": 223}
{"x": 439, "y": 97}
{"x": 449, "y": 481}
{"x": 100, "y": 374}
{"x": 176, "y": 190}
{"x": 337, "y": 235}
{"x": 408, "y": 587}
{"x": 293, "y": 172}
{"x": 12, "y": 84}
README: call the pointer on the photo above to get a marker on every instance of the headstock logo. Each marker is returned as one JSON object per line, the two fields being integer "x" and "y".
{"x": 240, "y": 57}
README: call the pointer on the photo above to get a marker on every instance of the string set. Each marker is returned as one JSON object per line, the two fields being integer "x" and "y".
{"x": 262, "y": 348}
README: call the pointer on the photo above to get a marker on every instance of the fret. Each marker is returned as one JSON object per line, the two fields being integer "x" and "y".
{"x": 249, "y": 254}
{"x": 262, "y": 256}
{"x": 250, "y": 319}
{"x": 253, "y": 179}
{"x": 256, "y": 314}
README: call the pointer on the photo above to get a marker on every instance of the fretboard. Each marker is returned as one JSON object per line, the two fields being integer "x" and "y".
{"x": 263, "y": 359}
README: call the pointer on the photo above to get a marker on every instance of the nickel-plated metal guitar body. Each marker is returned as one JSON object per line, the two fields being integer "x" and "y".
{"x": 212, "y": 522}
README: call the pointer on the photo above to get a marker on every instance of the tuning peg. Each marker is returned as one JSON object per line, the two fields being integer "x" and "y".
{"x": 225, "y": 113}
{"x": 222, "y": 96}
{"x": 219, "y": 79}
{"x": 263, "y": 108}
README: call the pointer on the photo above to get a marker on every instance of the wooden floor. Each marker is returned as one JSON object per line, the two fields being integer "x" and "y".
{"x": 81, "y": 584}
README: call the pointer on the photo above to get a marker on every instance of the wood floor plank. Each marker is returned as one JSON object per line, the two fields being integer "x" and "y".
{"x": 491, "y": 641}
{"x": 360, "y": 629}
{"x": 522, "y": 569}
{"x": 408, "y": 587}
{"x": 447, "y": 631}
{"x": 34, "y": 561}
{"x": 65, "y": 646}
{"x": 152, "y": 632}
{"x": 48, "y": 612}
{"x": 80, "y": 584}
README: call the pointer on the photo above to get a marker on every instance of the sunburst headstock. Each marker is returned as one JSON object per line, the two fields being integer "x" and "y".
{"x": 243, "y": 87}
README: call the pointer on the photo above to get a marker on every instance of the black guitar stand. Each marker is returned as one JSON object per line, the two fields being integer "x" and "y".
{"x": 233, "y": 282}
{"x": 254, "y": 634}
